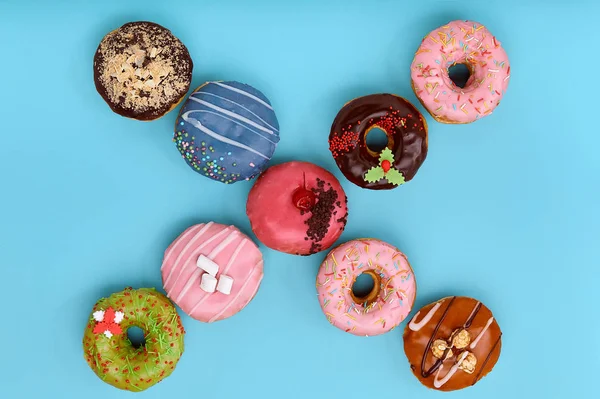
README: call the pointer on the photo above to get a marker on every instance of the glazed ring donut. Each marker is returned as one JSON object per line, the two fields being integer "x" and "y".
{"x": 112, "y": 356}
{"x": 460, "y": 42}
{"x": 406, "y": 149}
{"x": 375, "y": 312}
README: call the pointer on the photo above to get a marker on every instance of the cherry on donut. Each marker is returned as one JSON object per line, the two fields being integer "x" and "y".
{"x": 303, "y": 198}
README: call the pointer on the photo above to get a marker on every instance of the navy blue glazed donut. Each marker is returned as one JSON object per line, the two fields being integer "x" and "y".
{"x": 227, "y": 131}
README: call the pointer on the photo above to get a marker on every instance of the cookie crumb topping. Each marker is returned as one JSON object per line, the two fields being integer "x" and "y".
{"x": 142, "y": 67}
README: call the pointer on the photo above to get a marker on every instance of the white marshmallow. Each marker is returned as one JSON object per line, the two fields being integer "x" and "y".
{"x": 208, "y": 283}
{"x": 225, "y": 284}
{"x": 207, "y": 265}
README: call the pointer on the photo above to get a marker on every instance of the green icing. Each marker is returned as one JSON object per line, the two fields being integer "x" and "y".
{"x": 395, "y": 177}
{"x": 386, "y": 155}
{"x": 116, "y": 361}
{"x": 374, "y": 174}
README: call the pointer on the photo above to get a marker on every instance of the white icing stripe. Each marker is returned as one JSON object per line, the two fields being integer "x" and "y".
{"x": 234, "y": 299}
{"x": 244, "y": 93}
{"x": 237, "y": 123}
{"x": 195, "y": 275}
{"x": 229, "y": 113}
{"x": 183, "y": 237}
{"x": 256, "y": 289}
{"x": 196, "y": 123}
{"x": 487, "y": 325}
{"x": 239, "y": 105}
{"x": 198, "y": 235}
{"x": 213, "y": 254}
{"x": 472, "y": 312}
{"x": 417, "y": 326}
{"x": 229, "y": 264}
{"x": 234, "y": 256}
{"x": 439, "y": 383}
{"x": 196, "y": 252}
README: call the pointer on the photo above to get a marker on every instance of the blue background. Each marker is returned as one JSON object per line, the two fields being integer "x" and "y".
{"x": 505, "y": 209}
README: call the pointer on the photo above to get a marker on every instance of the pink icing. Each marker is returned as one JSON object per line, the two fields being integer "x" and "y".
{"x": 339, "y": 271}
{"x": 275, "y": 219}
{"x": 459, "y": 42}
{"x": 237, "y": 257}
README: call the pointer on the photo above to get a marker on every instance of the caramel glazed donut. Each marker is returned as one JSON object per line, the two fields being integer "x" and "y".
{"x": 406, "y": 149}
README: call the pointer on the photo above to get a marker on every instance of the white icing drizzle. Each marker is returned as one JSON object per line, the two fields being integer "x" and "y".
{"x": 439, "y": 383}
{"x": 243, "y": 93}
{"x": 240, "y": 292}
{"x": 262, "y": 136}
{"x": 417, "y": 326}
{"x": 197, "y": 124}
{"x": 205, "y": 93}
{"x": 200, "y": 232}
{"x": 487, "y": 325}
{"x": 473, "y": 311}
{"x": 231, "y": 114}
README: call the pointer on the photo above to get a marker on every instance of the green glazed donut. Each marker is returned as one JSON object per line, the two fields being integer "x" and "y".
{"x": 112, "y": 356}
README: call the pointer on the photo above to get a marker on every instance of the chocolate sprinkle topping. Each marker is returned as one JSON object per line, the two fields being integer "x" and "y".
{"x": 321, "y": 213}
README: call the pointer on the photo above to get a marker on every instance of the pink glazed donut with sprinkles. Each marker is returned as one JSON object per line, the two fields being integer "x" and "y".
{"x": 378, "y": 311}
{"x": 212, "y": 271}
{"x": 460, "y": 42}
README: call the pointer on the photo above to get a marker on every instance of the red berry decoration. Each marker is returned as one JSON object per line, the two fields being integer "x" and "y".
{"x": 386, "y": 165}
{"x": 303, "y": 198}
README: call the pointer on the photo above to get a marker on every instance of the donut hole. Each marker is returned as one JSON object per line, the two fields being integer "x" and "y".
{"x": 136, "y": 337}
{"x": 376, "y": 139}
{"x": 459, "y": 74}
{"x": 366, "y": 287}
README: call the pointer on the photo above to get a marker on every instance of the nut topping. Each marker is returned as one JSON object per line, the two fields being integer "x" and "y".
{"x": 468, "y": 364}
{"x": 460, "y": 338}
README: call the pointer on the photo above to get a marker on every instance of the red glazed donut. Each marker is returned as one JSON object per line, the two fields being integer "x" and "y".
{"x": 298, "y": 208}
{"x": 406, "y": 150}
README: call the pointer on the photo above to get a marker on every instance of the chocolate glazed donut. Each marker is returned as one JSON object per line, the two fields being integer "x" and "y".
{"x": 406, "y": 149}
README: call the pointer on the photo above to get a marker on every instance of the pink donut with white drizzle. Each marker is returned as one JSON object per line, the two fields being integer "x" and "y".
{"x": 460, "y": 42}
{"x": 369, "y": 313}
{"x": 212, "y": 271}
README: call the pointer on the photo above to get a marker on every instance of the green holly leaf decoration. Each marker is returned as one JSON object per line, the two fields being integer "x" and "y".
{"x": 385, "y": 170}
{"x": 374, "y": 174}
{"x": 394, "y": 176}
{"x": 386, "y": 155}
